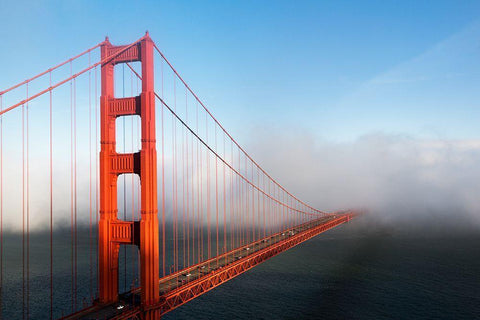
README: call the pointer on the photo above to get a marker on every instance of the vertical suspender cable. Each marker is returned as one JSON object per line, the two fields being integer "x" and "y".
{"x": 71, "y": 196}
{"x": 216, "y": 188}
{"x": 163, "y": 181}
{"x": 23, "y": 211}
{"x": 224, "y": 201}
{"x": 133, "y": 250}
{"x": 276, "y": 209}
{"x": 207, "y": 157}
{"x": 51, "y": 198}
{"x": 253, "y": 206}
{"x": 75, "y": 183}
{"x": 241, "y": 202}
{"x": 192, "y": 192}
{"x": 259, "y": 216}
{"x": 186, "y": 179}
{"x": 175, "y": 156}
{"x": 247, "y": 208}
{"x": 201, "y": 201}
{"x": 124, "y": 186}
{"x": 264, "y": 212}
{"x": 173, "y": 190}
{"x": 238, "y": 221}
{"x": 193, "y": 199}
{"x": 28, "y": 213}
{"x": 240, "y": 212}
{"x": 235, "y": 198}
{"x": 1, "y": 207}
{"x": 183, "y": 196}
{"x": 139, "y": 204}
{"x": 96, "y": 171}
{"x": 247, "y": 204}
{"x": 235, "y": 212}
{"x": 232, "y": 221}
{"x": 283, "y": 210}
{"x": 198, "y": 186}
{"x": 90, "y": 177}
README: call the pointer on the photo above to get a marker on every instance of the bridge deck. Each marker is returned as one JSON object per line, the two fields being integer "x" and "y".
{"x": 183, "y": 286}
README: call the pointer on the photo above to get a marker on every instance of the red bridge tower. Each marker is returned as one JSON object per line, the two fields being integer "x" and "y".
{"x": 112, "y": 231}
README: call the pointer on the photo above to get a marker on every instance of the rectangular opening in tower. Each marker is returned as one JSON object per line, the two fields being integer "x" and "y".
{"x": 128, "y": 268}
{"x": 128, "y": 134}
{"x": 127, "y": 82}
{"x": 128, "y": 197}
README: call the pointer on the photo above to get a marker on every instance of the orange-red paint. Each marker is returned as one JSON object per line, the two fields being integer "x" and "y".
{"x": 112, "y": 231}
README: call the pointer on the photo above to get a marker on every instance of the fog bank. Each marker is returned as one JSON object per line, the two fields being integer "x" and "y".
{"x": 395, "y": 177}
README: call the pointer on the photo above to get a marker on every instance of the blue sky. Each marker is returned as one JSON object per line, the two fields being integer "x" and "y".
{"x": 340, "y": 69}
{"x": 347, "y": 104}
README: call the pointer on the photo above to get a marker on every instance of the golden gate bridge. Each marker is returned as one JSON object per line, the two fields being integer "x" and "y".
{"x": 136, "y": 233}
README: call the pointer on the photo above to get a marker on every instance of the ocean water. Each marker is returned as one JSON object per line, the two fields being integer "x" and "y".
{"x": 360, "y": 270}
{"x": 357, "y": 271}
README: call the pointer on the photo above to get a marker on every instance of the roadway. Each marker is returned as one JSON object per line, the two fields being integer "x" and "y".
{"x": 168, "y": 284}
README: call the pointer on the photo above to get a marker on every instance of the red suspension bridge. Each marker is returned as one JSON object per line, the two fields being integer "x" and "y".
{"x": 121, "y": 196}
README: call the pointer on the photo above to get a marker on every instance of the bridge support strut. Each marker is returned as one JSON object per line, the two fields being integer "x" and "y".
{"x": 114, "y": 232}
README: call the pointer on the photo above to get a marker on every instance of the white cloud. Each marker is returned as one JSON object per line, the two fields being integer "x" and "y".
{"x": 393, "y": 176}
